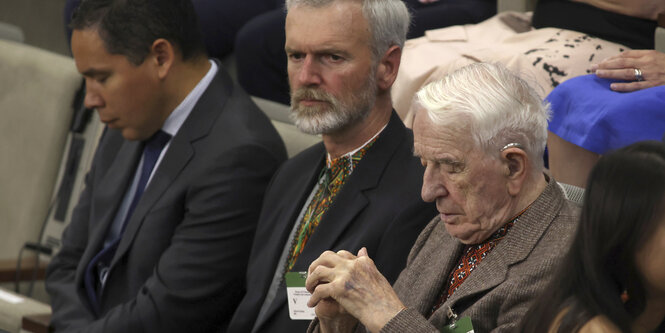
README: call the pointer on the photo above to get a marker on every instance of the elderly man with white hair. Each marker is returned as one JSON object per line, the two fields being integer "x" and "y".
{"x": 502, "y": 228}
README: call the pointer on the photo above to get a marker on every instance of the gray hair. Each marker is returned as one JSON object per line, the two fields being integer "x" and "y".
{"x": 388, "y": 21}
{"x": 493, "y": 104}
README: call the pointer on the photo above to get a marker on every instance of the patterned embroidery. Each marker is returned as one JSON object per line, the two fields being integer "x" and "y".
{"x": 334, "y": 176}
{"x": 472, "y": 256}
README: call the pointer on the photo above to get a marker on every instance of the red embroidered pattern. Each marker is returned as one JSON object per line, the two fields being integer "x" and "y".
{"x": 472, "y": 256}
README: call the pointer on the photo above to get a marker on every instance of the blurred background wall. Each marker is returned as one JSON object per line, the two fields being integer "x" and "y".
{"x": 40, "y": 20}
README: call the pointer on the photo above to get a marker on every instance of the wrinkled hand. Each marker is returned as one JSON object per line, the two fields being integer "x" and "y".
{"x": 344, "y": 285}
{"x": 332, "y": 316}
{"x": 622, "y": 67}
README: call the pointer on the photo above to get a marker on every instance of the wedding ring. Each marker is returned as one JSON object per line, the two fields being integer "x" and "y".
{"x": 638, "y": 75}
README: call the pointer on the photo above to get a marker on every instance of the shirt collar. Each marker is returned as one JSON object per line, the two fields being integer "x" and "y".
{"x": 182, "y": 111}
{"x": 349, "y": 155}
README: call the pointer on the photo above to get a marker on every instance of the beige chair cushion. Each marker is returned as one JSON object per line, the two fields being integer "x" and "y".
{"x": 573, "y": 193}
{"x": 14, "y": 307}
{"x": 36, "y": 92}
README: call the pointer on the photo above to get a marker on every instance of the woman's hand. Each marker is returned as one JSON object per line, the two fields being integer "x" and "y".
{"x": 629, "y": 65}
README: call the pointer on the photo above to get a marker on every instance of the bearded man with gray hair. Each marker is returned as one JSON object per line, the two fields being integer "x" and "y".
{"x": 503, "y": 225}
{"x": 360, "y": 186}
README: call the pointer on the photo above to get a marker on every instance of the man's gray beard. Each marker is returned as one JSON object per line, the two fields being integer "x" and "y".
{"x": 335, "y": 114}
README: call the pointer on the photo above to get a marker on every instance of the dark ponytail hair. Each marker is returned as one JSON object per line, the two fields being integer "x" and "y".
{"x": 624, "y": 198}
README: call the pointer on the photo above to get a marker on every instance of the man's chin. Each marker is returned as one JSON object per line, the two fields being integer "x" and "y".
{"x": 311, "y": 120}
{"x": 464, "y": 234}
{"x": 311, "y": 127}
{"x": 132, "y": 135}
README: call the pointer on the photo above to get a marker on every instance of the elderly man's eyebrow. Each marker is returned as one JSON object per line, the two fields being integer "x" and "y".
{"x": 443, "y": 160}
{"x": 450, "y": 161}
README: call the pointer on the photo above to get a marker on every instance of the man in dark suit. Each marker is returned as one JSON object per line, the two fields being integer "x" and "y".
{"x": 160, "y": 237}
{"x": 359, "y": 187}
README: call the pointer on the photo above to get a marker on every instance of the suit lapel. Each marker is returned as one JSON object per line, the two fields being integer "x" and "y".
{"x": 303, "y": 180}
{"x": 353, "y": 197}
{"x": 445, "y": 258}
{"x": 181, "y": 150}
{"x": 488, "y": 274}
{"x": 105, "y": 203}
{"x": 301, "y": 189}
{"x": 174, "y": 161}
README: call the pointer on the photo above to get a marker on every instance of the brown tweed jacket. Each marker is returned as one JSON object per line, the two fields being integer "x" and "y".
{"x": 500, "y": 290}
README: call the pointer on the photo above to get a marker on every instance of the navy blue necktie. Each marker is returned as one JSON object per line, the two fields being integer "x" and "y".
{"x": 97, "y": 269}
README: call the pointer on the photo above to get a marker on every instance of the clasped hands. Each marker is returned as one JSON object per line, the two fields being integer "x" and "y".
{"x": 348, "y": 288}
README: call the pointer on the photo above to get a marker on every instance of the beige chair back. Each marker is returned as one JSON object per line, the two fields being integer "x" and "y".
{"x": 56, "y": 224}
{"x": 11, "y": 32}
{"x": 295, "y": 140}
{"x": 36, "y": 92}
{"x": 660, "y": 34}
{"x": 515, "y": 5}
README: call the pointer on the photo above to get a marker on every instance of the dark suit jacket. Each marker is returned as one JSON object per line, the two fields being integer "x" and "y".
{"x": 378, "y": 207}
{"x": 181, "y": 262}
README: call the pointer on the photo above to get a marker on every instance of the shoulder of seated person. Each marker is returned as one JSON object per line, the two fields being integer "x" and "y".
{"x": 599, "y": 324}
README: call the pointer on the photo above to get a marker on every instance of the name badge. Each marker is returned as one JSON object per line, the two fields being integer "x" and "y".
{"x": 463, "y": 325}
{"x": 298, "y": 296}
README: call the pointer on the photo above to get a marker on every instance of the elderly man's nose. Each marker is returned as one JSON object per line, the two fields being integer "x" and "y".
{"x": 433, "y": 186}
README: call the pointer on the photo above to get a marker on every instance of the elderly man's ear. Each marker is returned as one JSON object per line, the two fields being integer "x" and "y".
{"x": 515, "y": 163}
{"x": 386, "y": 72}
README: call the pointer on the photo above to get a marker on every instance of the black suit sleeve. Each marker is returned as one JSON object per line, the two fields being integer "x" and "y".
{"x": 61, "y": 272}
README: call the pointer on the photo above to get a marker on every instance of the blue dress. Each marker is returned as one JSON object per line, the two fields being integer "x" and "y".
{"x": 587, "y": 113}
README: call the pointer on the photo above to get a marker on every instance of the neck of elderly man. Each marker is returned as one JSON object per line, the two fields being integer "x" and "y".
{"x": 522, "y": 187}
{"x": 522, "y": 191}
{"x": 533, "y": 186}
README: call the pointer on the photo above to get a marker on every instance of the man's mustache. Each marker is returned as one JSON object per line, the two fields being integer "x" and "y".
{"x": 312, "y": 94}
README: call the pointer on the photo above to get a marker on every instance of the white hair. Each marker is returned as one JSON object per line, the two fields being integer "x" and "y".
{"x": 388, "y": 21}
{"x": 493, "y": 104}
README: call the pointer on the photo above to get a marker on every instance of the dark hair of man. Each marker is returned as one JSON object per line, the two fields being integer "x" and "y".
{"x": 129, "y": 27}
{"x": 624, "y": 202}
